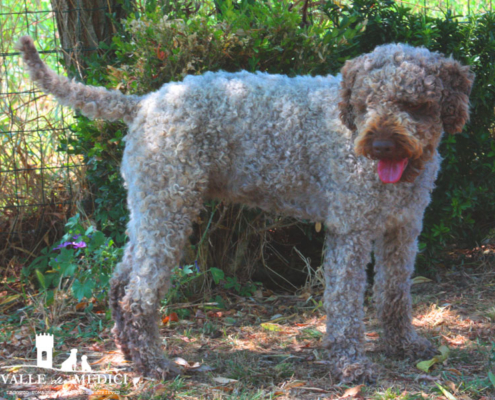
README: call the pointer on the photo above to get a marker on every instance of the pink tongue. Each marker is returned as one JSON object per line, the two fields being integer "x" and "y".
{"x": 390, "y": 171}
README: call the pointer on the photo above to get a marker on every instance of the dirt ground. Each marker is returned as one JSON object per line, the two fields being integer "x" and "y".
{"x": 262, "y": 347}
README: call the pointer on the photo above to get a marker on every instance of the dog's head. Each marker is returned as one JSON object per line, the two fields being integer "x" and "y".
{"x": 399, "y": 99}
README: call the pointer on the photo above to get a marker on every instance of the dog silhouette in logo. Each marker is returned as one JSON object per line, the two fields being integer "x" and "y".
{"x": 71, "y": 363}
{"x": 85, "y": 367}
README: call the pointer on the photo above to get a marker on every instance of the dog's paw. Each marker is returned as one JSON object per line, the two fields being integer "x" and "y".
{"x": 346, "y": 369}
{"x": 414, "y": 348}
{"x": 162, "y": 369}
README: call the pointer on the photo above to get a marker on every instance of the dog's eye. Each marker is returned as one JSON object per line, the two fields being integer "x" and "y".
{"x": 415, "y": 109}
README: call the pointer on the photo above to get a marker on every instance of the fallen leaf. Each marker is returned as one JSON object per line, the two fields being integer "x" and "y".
{"x": 426, "y": 365}
{"x": 215, "y": 314}
{"x": 352, "y": 392}
{"x": 318, "y": 227}
{"x": 186, "y": 339}
{"x": 272, "y": 327}
{"x": 183, "y": 363}
{"x": 293, "y": 385}
{"x": 280, "y": 317}
{"x": 454, "y": 371}
{"x": 81, "y": 306}
{"x": 160, "y": 389}
{"x": 224, "y": 381}
{"x": 420, "y": 279}
{"x": 103, "y": 394}
{"x": 313, "y": 389}
{"x": 445, "y": 392}
{"x": 172, "y": 317}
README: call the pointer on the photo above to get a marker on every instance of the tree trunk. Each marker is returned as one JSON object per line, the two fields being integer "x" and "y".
{"x": 82, "y": 25}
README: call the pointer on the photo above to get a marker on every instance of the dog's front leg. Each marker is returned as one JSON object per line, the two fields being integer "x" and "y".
{"x": 395, "y": 253}
{"x": 345, "y": 274}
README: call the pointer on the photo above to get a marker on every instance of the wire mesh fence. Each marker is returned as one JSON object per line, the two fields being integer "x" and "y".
{"x": 438, "y": 8}
{"x": 38, "y": 184}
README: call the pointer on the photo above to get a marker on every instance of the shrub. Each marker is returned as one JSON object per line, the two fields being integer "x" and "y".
{"x": 158, "y": 45}
{"x": 81, "y": 262}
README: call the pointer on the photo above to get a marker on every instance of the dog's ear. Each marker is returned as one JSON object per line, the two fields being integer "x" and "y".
{"x": 457, "y": 81}
{"x": 349, "y": 73}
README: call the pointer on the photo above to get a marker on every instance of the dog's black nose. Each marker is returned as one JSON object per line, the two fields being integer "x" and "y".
{"x": 383, "y": 148}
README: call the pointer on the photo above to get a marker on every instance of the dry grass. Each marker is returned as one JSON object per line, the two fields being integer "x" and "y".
{"x": 38, "y": 184}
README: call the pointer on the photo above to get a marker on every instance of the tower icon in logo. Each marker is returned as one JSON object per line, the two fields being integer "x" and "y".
{"x": 44, "y": 348}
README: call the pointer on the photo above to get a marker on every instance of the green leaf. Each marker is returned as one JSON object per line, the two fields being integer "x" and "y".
{"x": 97, "y": 240}
{"x": 68, "y": 269}
{"x": 82, "y": 290}
{"x": 41, "y": 278}
{"x": 73, "y": 221}
{"x": 491, "y": 376}
{"x": 217, "y": 275}
{"x": 426, "y": 365}
{"x": 187, "y": 269}
{"x": 272, "y": 327}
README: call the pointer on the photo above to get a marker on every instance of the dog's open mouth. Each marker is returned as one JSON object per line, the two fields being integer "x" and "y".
{"x": 390, "y": 171}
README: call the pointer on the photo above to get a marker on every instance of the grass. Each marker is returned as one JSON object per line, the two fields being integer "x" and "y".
{"x": 268, "y": 346}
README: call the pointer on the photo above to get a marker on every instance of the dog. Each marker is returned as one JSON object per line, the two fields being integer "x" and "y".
{"x": 357, "y": 151}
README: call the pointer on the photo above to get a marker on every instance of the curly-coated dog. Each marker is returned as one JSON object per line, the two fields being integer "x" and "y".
{"x": 316, "y": 148}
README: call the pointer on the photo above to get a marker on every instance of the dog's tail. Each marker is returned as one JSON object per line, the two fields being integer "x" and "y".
{"x": 94, "y": 102}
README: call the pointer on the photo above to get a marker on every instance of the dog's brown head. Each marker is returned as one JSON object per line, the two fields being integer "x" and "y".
{"x": 399, "y": 99}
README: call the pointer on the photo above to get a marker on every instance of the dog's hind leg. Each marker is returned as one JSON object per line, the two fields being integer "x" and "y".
{"x": 163, "y": 205}
{"x": 118, "y": 283}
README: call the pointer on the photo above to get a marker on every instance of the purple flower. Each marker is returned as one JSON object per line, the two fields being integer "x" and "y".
{"x": 62, "y": 245}
{"x": 75, "y": 237}
{"x": 196, "y": 264}
{"x": 75, "y": 245}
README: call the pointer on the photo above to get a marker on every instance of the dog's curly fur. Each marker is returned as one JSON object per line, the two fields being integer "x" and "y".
{"x": 306, "y": 147}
